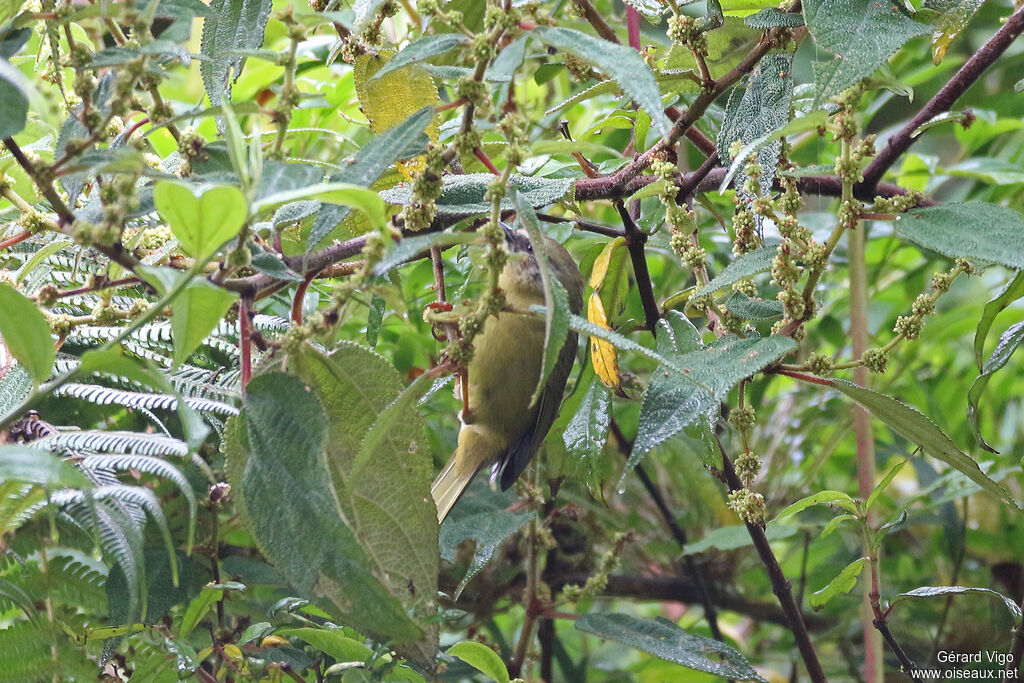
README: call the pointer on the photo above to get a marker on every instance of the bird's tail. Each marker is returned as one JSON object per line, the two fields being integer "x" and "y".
{"x": 477, "y": 446}
{"x": 449, "y": 486}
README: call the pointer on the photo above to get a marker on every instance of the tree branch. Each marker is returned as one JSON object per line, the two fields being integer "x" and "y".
{"x": 943, "y": 99}
{"x": 635, "y": 240}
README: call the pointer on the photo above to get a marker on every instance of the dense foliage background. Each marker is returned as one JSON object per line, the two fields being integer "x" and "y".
{"x": 246, "y": 245}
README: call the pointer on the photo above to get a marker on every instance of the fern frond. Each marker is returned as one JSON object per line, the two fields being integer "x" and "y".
{"x": 218, "y": 385}
{"x": 133, "y": 399}
{"x": 114, "y": 442}
{"x": 18, "y": 503}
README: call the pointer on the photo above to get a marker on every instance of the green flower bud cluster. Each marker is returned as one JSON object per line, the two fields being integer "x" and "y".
{"x": 105, "y": 314}
{"x": 747, "y": 464}
{"x": 744, "y": 230}
{"x": 898, "y": 203}
{"x": 785, "y": 271}
{"x": 742, "y": 417}
{"x": 497, "y": 17}
{"x": 34, "y": 221}
{"x": 482, "y": 48}
{"x": 598, "y": 581}
{"x": 475, "y": 92}
{"x": 748, "y": 505}
{"x": 682, "y": 30}
{"x": 47, "y": 295}
{"x": 875, "y": 360}
{"x": 746, "y": 286}
{"x": 820, "y": 364}
{"x": 419, "y": 213}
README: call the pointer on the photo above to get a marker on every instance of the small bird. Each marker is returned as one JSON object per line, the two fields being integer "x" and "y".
{"x": 499, "y": 426}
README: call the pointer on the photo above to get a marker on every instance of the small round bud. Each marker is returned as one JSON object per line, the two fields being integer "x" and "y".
{"x": 875, "y": 360}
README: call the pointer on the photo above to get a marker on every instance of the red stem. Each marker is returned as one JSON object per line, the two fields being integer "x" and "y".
{"x": 485, "y": 160}
{"x": 11, "y": 241}
{"x": 135, "y": 126}
{"x": 807, "y": 378}
{"x": 245, "y": 340}
{"x": 300, "y": 294}
{"x": 633, "y": 27}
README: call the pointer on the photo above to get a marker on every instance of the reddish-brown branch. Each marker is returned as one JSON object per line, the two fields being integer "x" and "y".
{"x": 595, "y": 19}
{"x": 300, "y": 294}
{"x": 633, "y": 27}
{"x": 15, "y": 239}
{"x": 944, "y": 98}
{"x": 103, "y": 284}
{"x": 803, "y": 377}
{"x": 245, "y": 340}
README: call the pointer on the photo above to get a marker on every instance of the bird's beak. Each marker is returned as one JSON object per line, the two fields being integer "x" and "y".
{"x": 508, "y": 232}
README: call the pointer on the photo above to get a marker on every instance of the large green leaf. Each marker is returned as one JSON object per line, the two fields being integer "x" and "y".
{"x": 232, "y": 26}
{"x": 675, "y": 399}
{"x": 482, "y": 516}
{"x": 195, "y": 312}
{"x": 276, "y": 451}
{"x": 622, "y": 63}
{"x": 977, "y": 230}
{"x": 662, "y": 638}
{"x": 201, "y": 223}
{"x": 463, "y": 195}
{"x": 918, "y": 429}
{"x": 758, "y": 108}
{"x": 378, "y": 460}
{"x": 1008, "y": 343}
{"x": 14, "y": 91}
{"x": 587, "y": 431}
{"x": 25, "y": 333}
{"x": 863, "y": 34}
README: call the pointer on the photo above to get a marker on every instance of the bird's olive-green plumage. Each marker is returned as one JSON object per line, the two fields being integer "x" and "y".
{"x": 502, "y": 430}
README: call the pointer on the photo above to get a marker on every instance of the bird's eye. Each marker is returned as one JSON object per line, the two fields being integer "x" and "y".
{"x": 529, "y": 247}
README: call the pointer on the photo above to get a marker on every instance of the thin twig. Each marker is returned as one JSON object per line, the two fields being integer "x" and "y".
{"x": 780, "y": 586}
{"x": 944, "y": 98}
{"x": 595, "y": 19}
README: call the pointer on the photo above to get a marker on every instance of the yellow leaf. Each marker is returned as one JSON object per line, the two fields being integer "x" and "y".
{"x": 394, "y": 97}
{"x": 602, "y": 353}
{"x": 603, "y": 260}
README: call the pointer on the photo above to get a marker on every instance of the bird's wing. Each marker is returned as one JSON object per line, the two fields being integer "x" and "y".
{"x": 518, "y": 455}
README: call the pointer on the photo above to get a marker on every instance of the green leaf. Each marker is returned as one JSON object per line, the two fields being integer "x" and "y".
{"x": 735, "y": 536}
{"x": 953, "y": 17}
{"x": 364, "y": 11}
{"x": 482, "y": 658}
{"x": 1012, "y": 291}
{"x": 198, "y": 608}
{"x": 1008, "y": 343}
{"x": 813, "y": 120}
{"x": 622, "y": 63}
{"x": 884, "y": 484}
{"x": 195, "y": 312}
{"x": 35, "y": 466}
{"x": 840, "y": 585}
{"x": 918, "y": 429}
{"x": 374, "y": 319}
{"x": 482, "y": 516}
{"x": 753, "y": 309}
{"x": 726, "y": 46}
{"x": 25, "y": 333}
{"x": 201, "y": 223}
{"x": 377, "y": 465}
{"x": 410, "y": 247}
{"x": 587, "y": 431}
{"x": 232, "y": 25}
{"x": 977, "y": 230}
{"x": 662, "y": 638}
{"x": 937, "y": 591}
{"x": 601, "y": 88}
{"x": 38, "y": 258}
{"x": 675, "y": 399}
{"x": 463, "y": 195}
{"x": 421, "y": 49}
{"x": 332, "y": 642}
{"x": 276, "y": 452}
{"x": 863, "y": 34}
{"x": 821, "y": 498}
{"x": 556, "y": 313}
{"x": 14, "y": 94}
{"x": 750, "y": 263}
{"x": 347, "y": 194}
{"x": 756, "y": 109}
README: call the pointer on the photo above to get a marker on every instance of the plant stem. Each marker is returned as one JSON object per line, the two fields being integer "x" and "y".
{"x": 780, "y": 586}
{"x": 861, "y": 419}
{"x": 635, "y": 239}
